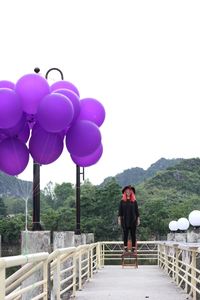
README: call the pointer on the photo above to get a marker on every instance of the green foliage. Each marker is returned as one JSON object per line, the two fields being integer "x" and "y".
{"x": 3, "y": 211}
{"x": 11, "y": 227}
{"x": 170, "y": 194}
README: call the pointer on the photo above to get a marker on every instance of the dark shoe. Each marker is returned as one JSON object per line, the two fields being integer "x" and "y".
{"x": 132, "y": 250}
{"x": 125, "y": 249}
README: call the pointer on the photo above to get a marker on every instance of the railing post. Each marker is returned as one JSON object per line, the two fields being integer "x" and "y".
{"x": 88, "y": 263}
{"x": 98, "y": 256}
{"x": 45, "y": 277}
{"x": 80, "y": 270}
{"x": 158, "y": 255}
{"x": 193, "y": 274}
{"x": 176, "y": 264}
{"x": 74, "y": 275}
{"x": 2, "y": 279}
{"x": 56, "y": 279}
{"x": 165, "y": 258}
{"x": 103, "y": 255}
{"x": 91, "y": 263}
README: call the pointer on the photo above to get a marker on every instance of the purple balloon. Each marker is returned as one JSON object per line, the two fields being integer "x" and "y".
{"x": 64, "y": 85}
{"x": 13, "y": 131}
{"x": 24, "y": 134}
{"x": 45, "y": 147}
{"x": 7, "y": 84}
{"x": 86, "y": 161}
{"x": 74, "y": 100}
{"x": 14, "y": 156}
{"x": 55, "y": 112}
{"x": 32, "y": 88}
{"x": 92, "y": 110}
{"x": 83, "y": 138}
{"x": 10, "y": 108}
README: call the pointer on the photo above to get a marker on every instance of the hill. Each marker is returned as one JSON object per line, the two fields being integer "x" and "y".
{"x": 137, "y": 175}
{"x": 169, "y": 195}
{"x": 11, "y": 186}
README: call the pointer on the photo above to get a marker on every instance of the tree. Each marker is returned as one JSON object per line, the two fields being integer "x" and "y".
{"x": 3, "y": 211}
{"x": 62, "y": 193}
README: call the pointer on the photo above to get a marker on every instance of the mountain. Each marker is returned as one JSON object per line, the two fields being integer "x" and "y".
{"x": 137, "y": 175}
{"x": 11, "y": 186}
{"x": 183, "y": 177}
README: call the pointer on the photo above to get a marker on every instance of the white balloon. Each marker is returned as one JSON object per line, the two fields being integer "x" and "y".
{"x": 194, "y": 218}
{"x": 173, "y": 225}
{"x": 183, "y": 224}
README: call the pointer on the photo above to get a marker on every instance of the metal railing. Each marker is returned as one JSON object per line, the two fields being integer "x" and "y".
{"x": 60, "y": 274}
{"x": 182, "y": 263}
{"x": 146, "y": 251}
{"x": 49, "y": 276}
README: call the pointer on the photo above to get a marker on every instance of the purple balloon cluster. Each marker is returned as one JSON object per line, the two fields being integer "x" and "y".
{"x": 36, "y": 118}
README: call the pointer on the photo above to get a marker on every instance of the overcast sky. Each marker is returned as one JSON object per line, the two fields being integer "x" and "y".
{"x": 140, "y": 59}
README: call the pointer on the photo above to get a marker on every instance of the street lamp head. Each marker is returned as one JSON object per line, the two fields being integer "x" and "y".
{"x": 194, "y": 218}
{"x": 183, "y": 224}
{"x": 173, "y": 225}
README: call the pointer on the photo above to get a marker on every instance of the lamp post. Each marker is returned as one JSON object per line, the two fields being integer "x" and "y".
{"x": 36, "y": 226}
{"x": 78, "y": 192}
{"x": 36, "y": 182}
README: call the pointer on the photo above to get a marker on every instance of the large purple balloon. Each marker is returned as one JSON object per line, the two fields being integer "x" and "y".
{"x": 92, "y": 110}
{"x": 89, "y": 160}
{"x": 10, "y": 108}
{"x": 24, "y": 134}
{"x": 14, "y": 156}
{"x": 45, "y": 147}
{"x": 13, "y": 131}
{"x": 64, "y": 85}
{"x": 32, "y": 88}
{"x": 7, "y": 84}
{"x": 83, "y": 138}
{"x": 74, "y": 100}
{"x": 55, "y": 112}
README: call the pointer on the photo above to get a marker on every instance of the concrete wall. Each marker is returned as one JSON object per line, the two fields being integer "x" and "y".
{"x": 34, "y": 242}
{"x": 191, "y": 236}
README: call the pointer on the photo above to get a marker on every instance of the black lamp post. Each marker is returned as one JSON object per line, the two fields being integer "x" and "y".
{"x": 36, "y": 226}
{"x": 78, "y": 193}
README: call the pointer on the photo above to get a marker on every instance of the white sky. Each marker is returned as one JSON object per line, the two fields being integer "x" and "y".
{"x": 140, "y": 59}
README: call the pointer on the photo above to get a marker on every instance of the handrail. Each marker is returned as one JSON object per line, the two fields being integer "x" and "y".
{"x": 66, "y": 270}
{"x": 63, "y": 271}
{"x": 179, "y": 260}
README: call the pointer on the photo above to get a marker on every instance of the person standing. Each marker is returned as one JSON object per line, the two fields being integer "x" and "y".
{"x": 128, "y": 216}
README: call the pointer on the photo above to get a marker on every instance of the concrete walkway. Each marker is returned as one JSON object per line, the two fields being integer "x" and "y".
{"x": 146, "y": 282}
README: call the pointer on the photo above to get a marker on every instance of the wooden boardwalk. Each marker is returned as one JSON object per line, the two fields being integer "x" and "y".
{"x": 146, "y": 282}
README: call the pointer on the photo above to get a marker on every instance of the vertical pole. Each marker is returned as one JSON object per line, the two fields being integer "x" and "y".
{"x": 177, "y": 265}
{"x": 80, "y": 270}
{"x": 45, "y": 278}
{"x": 91, "y": 262}
{"x": 36, "y": 226}
{"x": 78, "y": 229}
{"x": 193, "y": 273}
{"x": 74, "y": 274}
{"x": 36, "y": 197}
{"x": 88, "y": 262}
{"x": 2, "y": 280}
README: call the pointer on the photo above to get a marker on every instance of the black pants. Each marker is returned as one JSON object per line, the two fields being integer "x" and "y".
{"x": 132, "y": 230}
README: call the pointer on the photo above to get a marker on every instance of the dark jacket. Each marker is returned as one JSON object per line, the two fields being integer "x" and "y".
{"x": 128, "y": 211}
